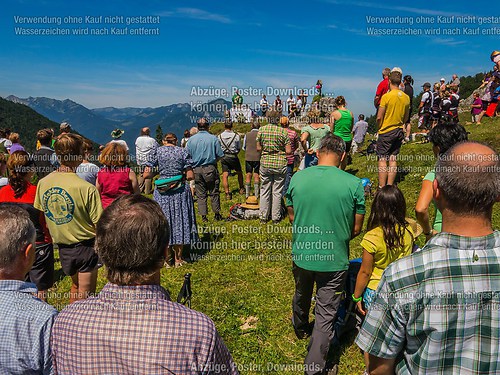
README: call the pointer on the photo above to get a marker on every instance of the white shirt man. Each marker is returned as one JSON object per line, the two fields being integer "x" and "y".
{"x": 145, "y": 145}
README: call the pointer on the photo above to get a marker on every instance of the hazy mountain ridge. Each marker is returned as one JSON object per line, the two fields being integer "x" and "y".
{"x": 22, "y": 119}
{"x": 98, "y": 123}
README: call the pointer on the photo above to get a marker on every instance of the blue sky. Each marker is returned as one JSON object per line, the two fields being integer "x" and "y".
{"x": 224, "y": 44}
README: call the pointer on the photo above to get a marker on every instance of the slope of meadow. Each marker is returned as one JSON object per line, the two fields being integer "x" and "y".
{"x": 241, "y": 274}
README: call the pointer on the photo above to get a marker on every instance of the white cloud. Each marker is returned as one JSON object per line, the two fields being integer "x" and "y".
{"x": 197, "y": 14}
{"x": 363, "y": 4}
{"x": 448, "y": 41}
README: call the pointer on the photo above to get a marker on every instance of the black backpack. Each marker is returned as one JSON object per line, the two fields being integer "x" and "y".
{"x": 372, "y": 148}
{"x": 429, "y": 103}
{"x": 348, "y": 320}
{"x": 436, "y": 102}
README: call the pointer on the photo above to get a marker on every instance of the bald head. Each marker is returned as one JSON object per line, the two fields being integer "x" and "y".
{"x": 145, "y": 131}
{"x": 468, "y": 179}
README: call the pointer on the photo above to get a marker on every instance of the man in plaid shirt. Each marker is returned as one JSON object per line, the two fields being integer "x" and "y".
{"x": 274, "y": 144}
{"x": 438, "y": 310}
{"x": 132, "y": 326}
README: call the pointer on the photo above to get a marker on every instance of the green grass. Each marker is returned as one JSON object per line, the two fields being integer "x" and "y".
{"x": 253, "y": 284}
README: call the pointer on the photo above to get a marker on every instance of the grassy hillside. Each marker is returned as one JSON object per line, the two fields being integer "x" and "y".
{"x": 242, "y": 279}
{"x": 27, "y": 122}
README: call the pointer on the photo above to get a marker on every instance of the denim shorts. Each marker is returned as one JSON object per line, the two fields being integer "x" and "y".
{"x": 368, "y": 297}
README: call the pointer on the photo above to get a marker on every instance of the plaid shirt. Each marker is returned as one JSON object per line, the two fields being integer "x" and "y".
{"x": 439, "y": 309}
{"x": 25, "y": 327}
{"x": 136, "y": 330}
{"x": 273, "y": 140}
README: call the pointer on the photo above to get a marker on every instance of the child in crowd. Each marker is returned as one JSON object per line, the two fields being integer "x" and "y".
{"x": 115, "y": 178}
{"x": 389, "y": 238}
{"x": 476, "y": 108}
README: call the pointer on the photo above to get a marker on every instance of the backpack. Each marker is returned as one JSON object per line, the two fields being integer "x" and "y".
{"x": 372, "y": 148}
{"x": 429, "y": 102}
{"x": 236, "y": 212}
{"x": 436, "y": 102}
{"x": 496, "y": 94}
{"x": 348, "y": 320}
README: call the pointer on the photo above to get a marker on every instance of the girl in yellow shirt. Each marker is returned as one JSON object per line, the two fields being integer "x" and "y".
{"x": 389, "y": 237}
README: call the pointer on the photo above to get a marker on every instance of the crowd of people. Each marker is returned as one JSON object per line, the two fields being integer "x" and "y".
{"x": 429, "y": 310}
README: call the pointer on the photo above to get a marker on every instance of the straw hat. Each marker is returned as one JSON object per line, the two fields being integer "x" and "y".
{"x": 251, "y": 203}
{"x": 494, "y": 55}
{"x": 284, "y": 120}
{"x": 415, "y": 227}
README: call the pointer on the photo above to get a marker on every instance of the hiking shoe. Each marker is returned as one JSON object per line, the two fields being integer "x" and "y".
{"x": 204, "y": 219}
{"x": 218, "y": 217}
{"x": 242, "y": 191}
{"x": 229, "y": 196}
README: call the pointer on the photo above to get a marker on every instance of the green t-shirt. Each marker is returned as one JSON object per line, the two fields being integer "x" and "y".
{"x": 343, "y": 126}
{"x": 315, "y": 135}
{"x": 438, "y": 219}
{"x": 71, "y": 206}
{"x": 325, "y": 201}
{"x": 237, "y": 99}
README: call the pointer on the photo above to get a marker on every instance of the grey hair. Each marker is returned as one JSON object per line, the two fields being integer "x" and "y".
{"x": 470, "y": 183}
{"x": 331, "y": 143}
{"x": 16, "y": 233}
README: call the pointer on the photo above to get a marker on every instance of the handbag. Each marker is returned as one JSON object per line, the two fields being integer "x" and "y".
{"x": 166, "y": 185}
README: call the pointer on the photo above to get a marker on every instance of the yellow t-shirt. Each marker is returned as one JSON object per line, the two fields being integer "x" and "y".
{"x": 395, "y": 102}
{"x": 373, "y": 242}
{"x": 71, "y": 206}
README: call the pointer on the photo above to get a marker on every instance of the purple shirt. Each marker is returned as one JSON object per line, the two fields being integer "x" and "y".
{"x": 476, "y": 111}
{"x": 16, "y": 147}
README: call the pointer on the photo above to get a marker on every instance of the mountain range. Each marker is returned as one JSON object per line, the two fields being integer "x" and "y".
{"x": 98, "y": 123}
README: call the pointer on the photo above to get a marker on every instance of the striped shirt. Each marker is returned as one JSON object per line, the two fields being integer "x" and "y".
{"x": 25, "y": 326}
{"x": 273, "y": 140}
{"x": 439, "y": 308}
{"x": 136, "y": 330}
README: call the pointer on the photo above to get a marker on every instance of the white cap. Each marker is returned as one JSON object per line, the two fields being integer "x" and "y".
{"x": 442, "y": 79}
{"x": 397, "y": 69}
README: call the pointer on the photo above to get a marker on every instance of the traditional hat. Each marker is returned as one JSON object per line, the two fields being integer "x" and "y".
{"x": 251, "y": 203}
{"x": 65, "y": 126}
{"x": 117, "y": 133}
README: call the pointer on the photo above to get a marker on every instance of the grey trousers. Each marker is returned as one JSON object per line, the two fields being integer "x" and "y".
{"x": 272, "y": 181}
{"x": 207, "y": 183}
{"x": 329, "y": 293}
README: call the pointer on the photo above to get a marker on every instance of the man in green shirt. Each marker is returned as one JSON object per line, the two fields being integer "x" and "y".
{"x": 326, "y": 207}
{"x": 237, "y": 99}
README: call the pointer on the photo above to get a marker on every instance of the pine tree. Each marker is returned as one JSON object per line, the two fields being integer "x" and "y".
{"x": 159, "y": 134}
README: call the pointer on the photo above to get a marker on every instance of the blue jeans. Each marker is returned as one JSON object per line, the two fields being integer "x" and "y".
{"x": 310, "y": 160}
{"x": 288, "y": 177}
